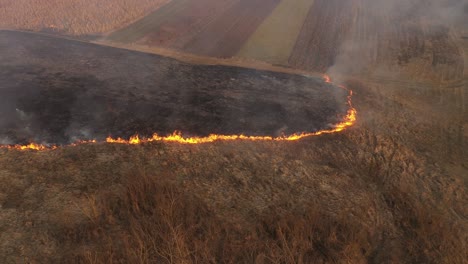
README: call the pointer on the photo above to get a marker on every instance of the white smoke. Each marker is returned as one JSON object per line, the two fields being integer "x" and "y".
{"x": 386, "y": 17}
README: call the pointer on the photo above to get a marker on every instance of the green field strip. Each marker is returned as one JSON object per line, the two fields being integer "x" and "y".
{"x": 147, "y": 24}
{"x": 274, "y": 39}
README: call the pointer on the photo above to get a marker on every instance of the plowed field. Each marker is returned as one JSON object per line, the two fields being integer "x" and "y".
{"x": 275, "y": 38}
{"x": 322, "y": 35}
{"x": 358, "y": 35}
{"x": 207, "y": 27}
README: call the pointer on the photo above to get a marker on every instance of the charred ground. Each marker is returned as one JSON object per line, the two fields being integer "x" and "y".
{"x": 57, "y": 90}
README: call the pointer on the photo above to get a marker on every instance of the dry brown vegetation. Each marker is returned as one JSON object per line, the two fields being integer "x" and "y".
{"x": 74, "y": 17}
{"x": 404, "y": 39}
{"x": 390, "y": 190}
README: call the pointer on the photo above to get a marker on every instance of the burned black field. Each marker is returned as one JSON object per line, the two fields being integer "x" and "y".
{"x": 58, "y": 91}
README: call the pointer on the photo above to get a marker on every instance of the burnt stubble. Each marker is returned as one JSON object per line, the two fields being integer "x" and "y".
{"x": 59, "y": 91}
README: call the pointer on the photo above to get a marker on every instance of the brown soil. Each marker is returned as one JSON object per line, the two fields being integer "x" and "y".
{"x": 323, "y": 33}
{"x": 177, "y": 30}
{"x": 211, "y": 28}
{"x": 225, "y": 36}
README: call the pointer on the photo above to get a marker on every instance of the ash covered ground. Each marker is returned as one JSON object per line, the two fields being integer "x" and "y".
{"x": 58, "y": 91}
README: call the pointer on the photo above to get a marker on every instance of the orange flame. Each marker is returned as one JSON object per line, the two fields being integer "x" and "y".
{"x": 31, "y": 146}
{"x": 177, "y": 137}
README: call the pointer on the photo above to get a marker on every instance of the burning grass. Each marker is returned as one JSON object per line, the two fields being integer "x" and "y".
{"x": 50, "y": 104}
{"x": 377, "y": 192}
{"x": 177, "y": 137}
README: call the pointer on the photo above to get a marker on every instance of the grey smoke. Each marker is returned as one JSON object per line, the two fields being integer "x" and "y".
{"x": 5, "y": 141}
{"x": 387, "y": 17}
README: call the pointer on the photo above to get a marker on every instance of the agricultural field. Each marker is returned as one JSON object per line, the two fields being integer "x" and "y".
{"x": 171, "y": 21}
{"x": 286, "y": 21}
{"x": 313, "y": 37}
{"x": 305, "y": 35}
{"x": 323, "y": 32}
{"x": 211, "y": 28}
{"x": 416, "y": 46}
{"x": 77, "y": 18}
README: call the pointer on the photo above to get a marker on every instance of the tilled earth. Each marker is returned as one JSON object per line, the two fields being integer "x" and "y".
{"x": 58, "y": 91}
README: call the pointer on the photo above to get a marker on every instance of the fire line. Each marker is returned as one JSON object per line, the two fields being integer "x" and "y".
{"x": 177, "y": 137}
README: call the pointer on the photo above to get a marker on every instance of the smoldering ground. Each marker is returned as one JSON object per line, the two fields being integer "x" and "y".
{"x": 58, "y": 91}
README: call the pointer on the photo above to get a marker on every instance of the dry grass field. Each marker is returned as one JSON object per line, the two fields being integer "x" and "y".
{"x": 74, "y": 17}
{"x": 391, "y": 189}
